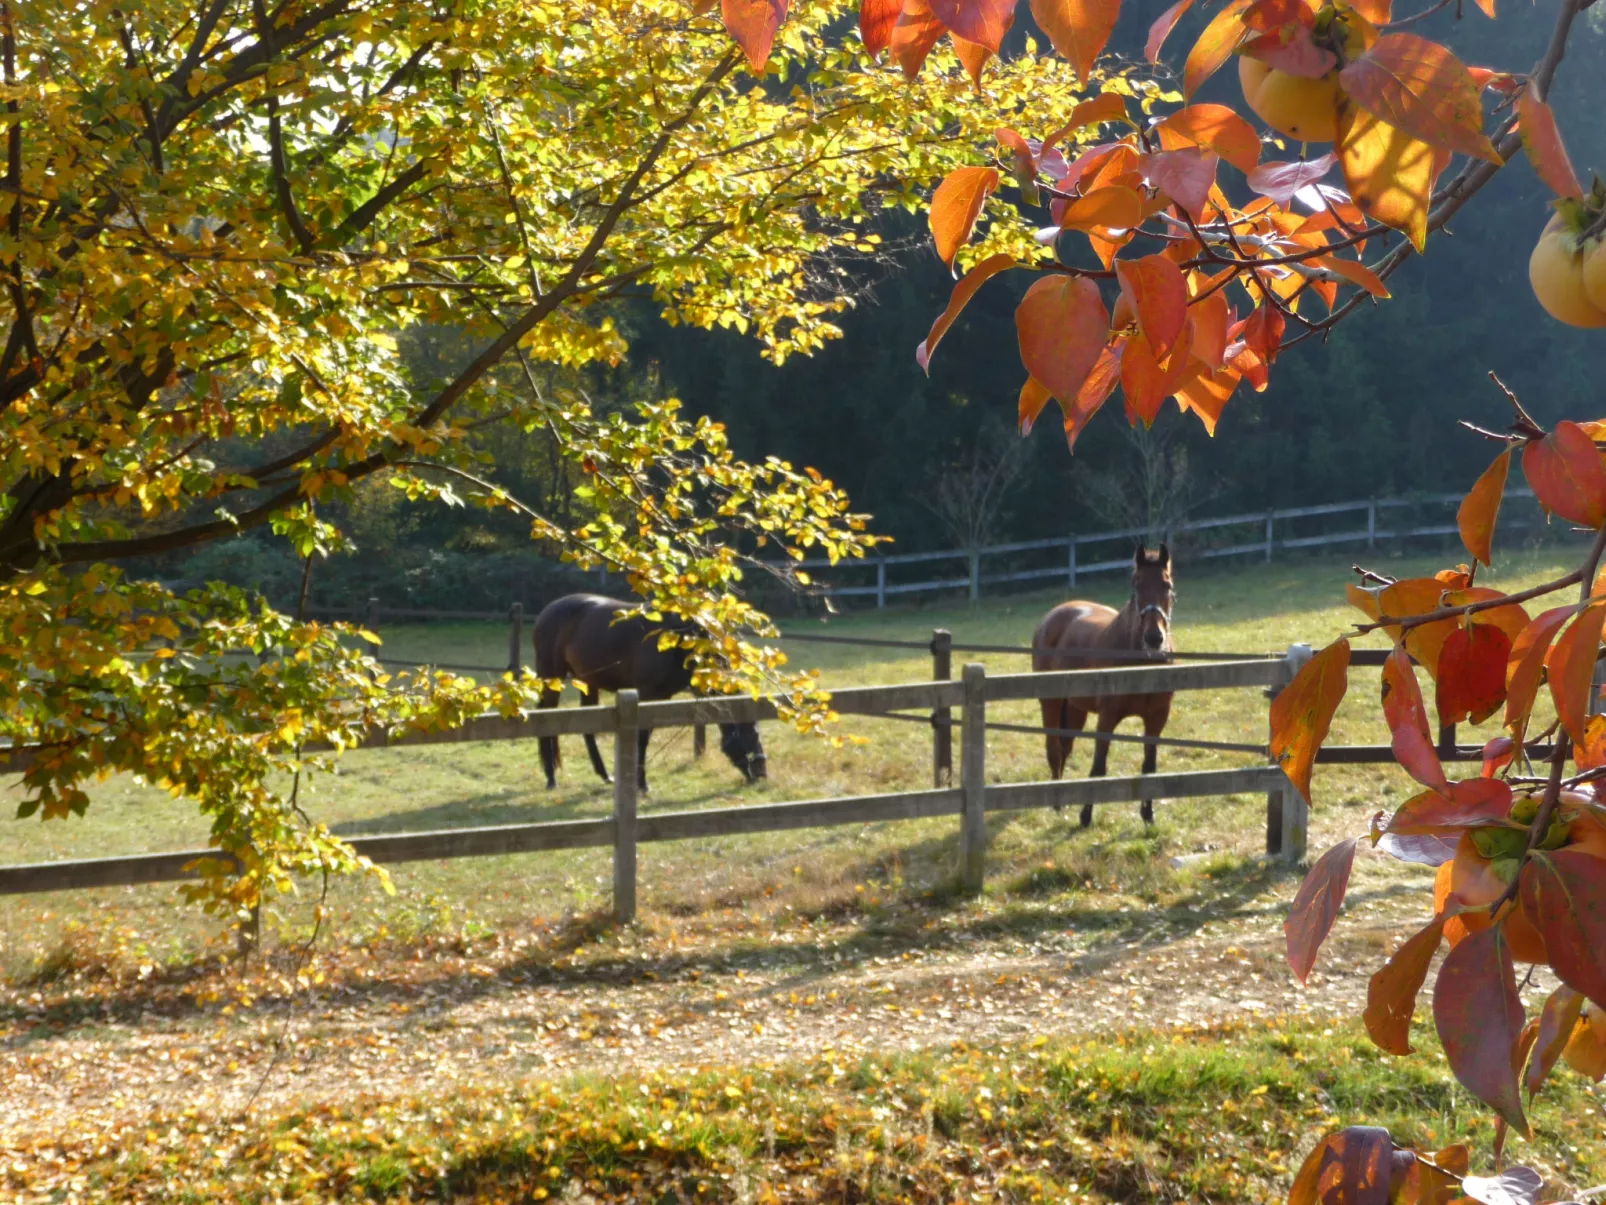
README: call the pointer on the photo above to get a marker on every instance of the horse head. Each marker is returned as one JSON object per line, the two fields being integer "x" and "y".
{"x": 742, "y": 745}
{"x": 1153, "y": 596}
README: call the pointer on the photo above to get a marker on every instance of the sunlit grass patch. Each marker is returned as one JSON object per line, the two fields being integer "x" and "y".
{"x": 1222, "y": 1113}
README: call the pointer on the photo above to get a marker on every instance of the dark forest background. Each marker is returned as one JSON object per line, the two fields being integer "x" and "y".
{"x": 1372, "y": 412}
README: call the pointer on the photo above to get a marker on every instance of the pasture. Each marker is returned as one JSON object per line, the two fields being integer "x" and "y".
{"x": 809, "y": 953}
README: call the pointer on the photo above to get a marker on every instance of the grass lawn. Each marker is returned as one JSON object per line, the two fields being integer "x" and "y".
{"x": 797, "y": 1016}
{"x": 1223, "y": 1113}
{"x": 1255, "y": 609}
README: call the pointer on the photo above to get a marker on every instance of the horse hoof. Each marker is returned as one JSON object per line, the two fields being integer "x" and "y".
{"x": 1087, "y": 817}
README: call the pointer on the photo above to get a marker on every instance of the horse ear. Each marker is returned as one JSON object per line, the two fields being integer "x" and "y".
{"x": 1165, "y": 556}
{"x": 1139, "y": 555}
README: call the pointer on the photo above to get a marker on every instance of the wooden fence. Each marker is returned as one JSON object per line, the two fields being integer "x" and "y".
{"x": 1369, "y": 528}
{"x": 970, "y": 800}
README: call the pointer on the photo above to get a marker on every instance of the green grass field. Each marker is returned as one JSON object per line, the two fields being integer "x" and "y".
{"x": 1256, "y": 609}
{"x": 797, "y": 1016}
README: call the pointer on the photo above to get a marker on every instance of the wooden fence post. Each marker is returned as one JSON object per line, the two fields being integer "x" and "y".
{"x": 699, "y": 739}
{"x": 1070, "y": 562}
{"x": 975, "y": 576}
{"x": 1287, "y": 814}
{"x": 1595, "y": 684}
{"x": 1371, "y": 523}
{"x": 1271, "y": 518}
{"x": 942, "y": 718}
{"x": 881, "y": 584}
{"x": 515, "y": 639}
{"x": 626, "y": 754}
{"x": 1446, "y": 742}
{"x": 973, "y": 780}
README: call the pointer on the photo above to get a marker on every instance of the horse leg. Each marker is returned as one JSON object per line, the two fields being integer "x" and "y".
{"x": 597, "y": 763}
{"x": 549, "y": 744}
{"x": 1152, "y": 727}
{"x": 1105, "y": 724}
{"x": 1055, "y": 744}
{"x": 641, "y": 758}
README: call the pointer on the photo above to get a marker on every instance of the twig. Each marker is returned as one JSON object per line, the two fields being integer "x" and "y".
{"x": 1367, "y": 575}
{"x": 1525, "y": 427}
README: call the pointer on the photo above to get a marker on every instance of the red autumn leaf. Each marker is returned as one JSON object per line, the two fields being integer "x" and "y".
{"x": 1590, "y": 753}
{"x": 1389, "y": 172}
{"x": 1214, "y": 47}
{"x": 1497, "y": 754}
{"x": 1557, "y": 1020}
{"x": 1302, "y": 712}
{"x": 1262, "y": 331}
{"x": 1280, "y": 181}
{"x": 1034, "y": 396}
{"x": 957, "y": 301}
{"x": 1527, "y": 662}
{"x": 1148, "y": 380}
{"x": 1479, "y": 509}
{"x": 1510, "y": 618}
{"x": 1062, "y": 326}
{"x": 1106, "y": 106}
{"x": 956, "y": 205}
{"x": 1249, "y": 365}
{"x": 1078, "y": 28}
{"x": 876, "y": 19}
{"x": 1270, "y": 16}
{"x": 1186, "y": 176}
{"x": 1207, "y": 395}
{"x": 1310, "y": 918}
{"x": 1162, "y": 27}
{"x": 1351, "y": 1167}
{"x": 1353, "y": 271}
{"x": 1292, "y": 49}
{"x": 1419, "y": 596}
{"x": 1472, "y": 674}
{"x": 752, "y": 23}
{"x": 1427, "y": 827}
{"x": 1542, "y": 140}
{"x": 983, "y": 22}
{"x": 1479, "y": 1018}
{"x": 914, "y": 33}
{"x": 1211, "y": 316}
{"x": 1570, "y": 665}
{"x": 1391, "y": 995}
{"x": 1022, "y": 162}
{"x": 1113, "y": 207}
{"x": 1421, "y": 88}
{"x": 1407, "y": 719}
{"x": 972, "y": 57}
{"x": 1565, "y": 471}
{"x": 1216, "y": 128}
{"x": 1564, "y": 894}
{"x": 1377, "y": 12}
{"x": 1155, "y": 289}
{"x": 1095, "y": 391}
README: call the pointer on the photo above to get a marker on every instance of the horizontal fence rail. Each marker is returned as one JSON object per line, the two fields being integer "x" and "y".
{"x": 1077, "y": 564}
{"x": 971, "y": 800}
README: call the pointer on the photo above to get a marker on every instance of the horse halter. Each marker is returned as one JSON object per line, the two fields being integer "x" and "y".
{"x": 1165, "y": 616}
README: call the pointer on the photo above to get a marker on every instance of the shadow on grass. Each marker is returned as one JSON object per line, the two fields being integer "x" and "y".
{"x": 1034, "y": 907}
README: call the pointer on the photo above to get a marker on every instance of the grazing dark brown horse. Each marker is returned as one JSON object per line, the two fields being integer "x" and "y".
{"x": 1144, "y": 624}
{"x": 580, "y": 636}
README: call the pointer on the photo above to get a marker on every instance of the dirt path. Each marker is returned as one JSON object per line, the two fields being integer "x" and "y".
{"x": 500, "y": 1019}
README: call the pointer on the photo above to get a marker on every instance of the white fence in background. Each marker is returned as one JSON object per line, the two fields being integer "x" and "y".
{"x": 1369, "y": 529}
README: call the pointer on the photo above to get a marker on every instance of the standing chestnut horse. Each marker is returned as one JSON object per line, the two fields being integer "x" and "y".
{"x": 1144, "y": 624}
{"x": 581, "y": 636}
